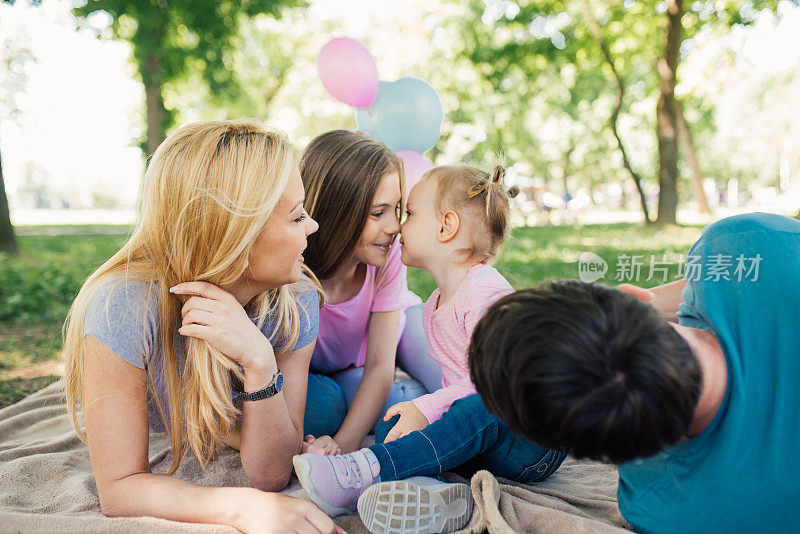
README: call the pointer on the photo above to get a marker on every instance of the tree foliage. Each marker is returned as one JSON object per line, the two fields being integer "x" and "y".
{"x": 542, "y": 50}
{"x": 171, "y": 38}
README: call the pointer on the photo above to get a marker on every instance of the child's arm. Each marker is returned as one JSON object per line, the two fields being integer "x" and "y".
{"x": 375, "y": 384}
{"x": 433, "y": 405}
{"x": 468, "y": 313}
{"x": 420, "y": 412}
{"x": 411, "y": 419}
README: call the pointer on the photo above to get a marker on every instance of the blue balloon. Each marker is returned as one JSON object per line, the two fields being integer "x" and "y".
{"x": 365, "y": 120}
{"x": 407, "y": 115}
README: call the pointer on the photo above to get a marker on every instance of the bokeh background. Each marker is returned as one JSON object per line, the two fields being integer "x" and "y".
{"x": 628, "y": 125}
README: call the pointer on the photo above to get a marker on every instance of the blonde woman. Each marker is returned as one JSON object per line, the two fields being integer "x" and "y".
{"x": 208, "y": 303}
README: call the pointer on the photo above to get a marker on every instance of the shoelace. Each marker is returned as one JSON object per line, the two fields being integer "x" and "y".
{"x": 346, "y": 466}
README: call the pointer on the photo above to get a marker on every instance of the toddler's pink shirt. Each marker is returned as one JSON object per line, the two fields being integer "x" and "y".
{"x": 448, "y": 329}
{"x": 343, "y": 327}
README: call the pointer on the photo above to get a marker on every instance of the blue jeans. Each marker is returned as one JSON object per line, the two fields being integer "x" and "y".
{"x": 466, "y": 439}
{"x": 330, "y": 396}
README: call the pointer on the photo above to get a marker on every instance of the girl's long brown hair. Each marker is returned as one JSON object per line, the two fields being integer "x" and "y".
{"x": 341, "y": 171}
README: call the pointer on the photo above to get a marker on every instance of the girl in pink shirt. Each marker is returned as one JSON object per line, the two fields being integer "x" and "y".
{"x": 456, "y": 220}
{"x": 470, "y": 230}
{"x": 354, "y": 190}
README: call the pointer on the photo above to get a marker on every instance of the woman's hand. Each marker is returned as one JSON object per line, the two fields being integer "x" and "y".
{"x": 411, "y": 419}
{"x": 215, "y": 316}
{"x": 321, "y": 445}
{"x": 275, "y": 513}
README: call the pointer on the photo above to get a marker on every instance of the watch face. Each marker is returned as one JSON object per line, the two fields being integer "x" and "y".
{"x": 279, "y": 383}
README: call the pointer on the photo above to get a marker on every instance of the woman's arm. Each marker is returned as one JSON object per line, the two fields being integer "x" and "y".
{"x": 375, "y": 384}
{"x": 294, "y": 366}
{"x": 117, "y": 435}
{"x": 268, "y": 437}
{"x": 272, "y": 429}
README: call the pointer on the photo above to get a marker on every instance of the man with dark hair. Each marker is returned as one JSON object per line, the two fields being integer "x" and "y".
{"x": 702, "y": 416}
{"x": 585, "y": 352}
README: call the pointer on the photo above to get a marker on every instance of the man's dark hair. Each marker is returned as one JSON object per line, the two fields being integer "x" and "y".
{"x": 586, "y": 368}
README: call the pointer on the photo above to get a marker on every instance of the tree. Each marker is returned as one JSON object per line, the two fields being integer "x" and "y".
{"x": 13, "y": 60}
{"x": 171, "y": 37}
{"x": 8, "y": 243}
{"x": 687, "y": 139}
{"x": 594, "y": 27}
{"x": 670, "y": 121}
{"x": 546, "y": 56}
{"x": 666, "y": 115}
{"x": 646, "y": 38}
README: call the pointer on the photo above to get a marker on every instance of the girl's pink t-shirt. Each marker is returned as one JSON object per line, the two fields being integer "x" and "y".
{"x": 343, "y": 327}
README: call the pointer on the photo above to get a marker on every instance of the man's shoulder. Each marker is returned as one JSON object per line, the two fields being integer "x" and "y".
{"x": 751, "y": 222}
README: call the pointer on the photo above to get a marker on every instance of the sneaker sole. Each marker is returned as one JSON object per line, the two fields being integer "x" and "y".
{"x": 402, "y": 507}
{"x": 303, "y": 470}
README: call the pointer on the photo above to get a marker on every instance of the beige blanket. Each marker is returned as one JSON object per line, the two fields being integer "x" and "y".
{"x": 46, "y": 484}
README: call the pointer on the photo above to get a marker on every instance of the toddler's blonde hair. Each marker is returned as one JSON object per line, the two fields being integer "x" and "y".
{"x": 482, "y": 202}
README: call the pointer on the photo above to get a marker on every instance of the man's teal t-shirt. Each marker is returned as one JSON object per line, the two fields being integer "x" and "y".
{"x": 742, "y": 473}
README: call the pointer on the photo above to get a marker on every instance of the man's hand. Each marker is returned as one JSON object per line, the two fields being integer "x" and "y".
{"x": 640, "y": 293}
{"x": 411, "y": 419}
{"x": 666, "y": 299}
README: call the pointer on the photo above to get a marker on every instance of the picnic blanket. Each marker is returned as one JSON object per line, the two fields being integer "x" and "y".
{"x": 46, "y": 484}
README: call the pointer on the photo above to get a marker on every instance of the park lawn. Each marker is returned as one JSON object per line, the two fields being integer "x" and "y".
{"x": 534, "y": 254}
{"x": 37, "y": 287}
{"x": 36, "y": 290}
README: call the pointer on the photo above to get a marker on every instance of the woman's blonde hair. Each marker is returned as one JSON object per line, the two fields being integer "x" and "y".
{"x": 483, "y": 200}
{"x": 208, "y": 193}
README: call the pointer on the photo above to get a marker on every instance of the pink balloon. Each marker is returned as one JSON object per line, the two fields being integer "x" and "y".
{"x": 416, "y": 165}
{"x": 348, "y": 72}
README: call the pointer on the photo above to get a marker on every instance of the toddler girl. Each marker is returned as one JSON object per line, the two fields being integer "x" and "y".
{"x": 456, "y": 222}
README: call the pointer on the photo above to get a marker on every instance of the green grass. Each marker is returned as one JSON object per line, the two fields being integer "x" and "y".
{"x": 36, "y": 290}
{"x": 37, "y": 287}
{"x": 16, "y": 389}
{"x": 534, "y": 254}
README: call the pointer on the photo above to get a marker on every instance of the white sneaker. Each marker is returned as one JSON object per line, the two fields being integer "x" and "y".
{"x": 415, "y": 505}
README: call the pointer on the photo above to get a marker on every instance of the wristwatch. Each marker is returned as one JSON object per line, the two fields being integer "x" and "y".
{"x": 274, "y": 387}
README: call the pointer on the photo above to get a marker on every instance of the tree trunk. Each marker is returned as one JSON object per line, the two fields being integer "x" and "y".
{"x": 685, "y": 135}
{"x": 666, "y": 117}
{"x": 156, "y": 113}
{"x": 566, "y": 168}
{"x": 598, "y": 36}
{"x": 8, "y": 243}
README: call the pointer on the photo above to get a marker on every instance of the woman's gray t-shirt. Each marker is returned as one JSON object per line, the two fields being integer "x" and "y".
{"x": 122, "y": 317}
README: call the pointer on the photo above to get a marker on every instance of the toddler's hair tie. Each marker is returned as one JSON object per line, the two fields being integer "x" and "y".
{"x": 498, "y": 174}
{"x": 495, "y": 180}
{"x": 478, "y": 188}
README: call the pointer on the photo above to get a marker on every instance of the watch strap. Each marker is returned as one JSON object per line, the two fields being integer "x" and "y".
{"x": 274, "y": 387}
